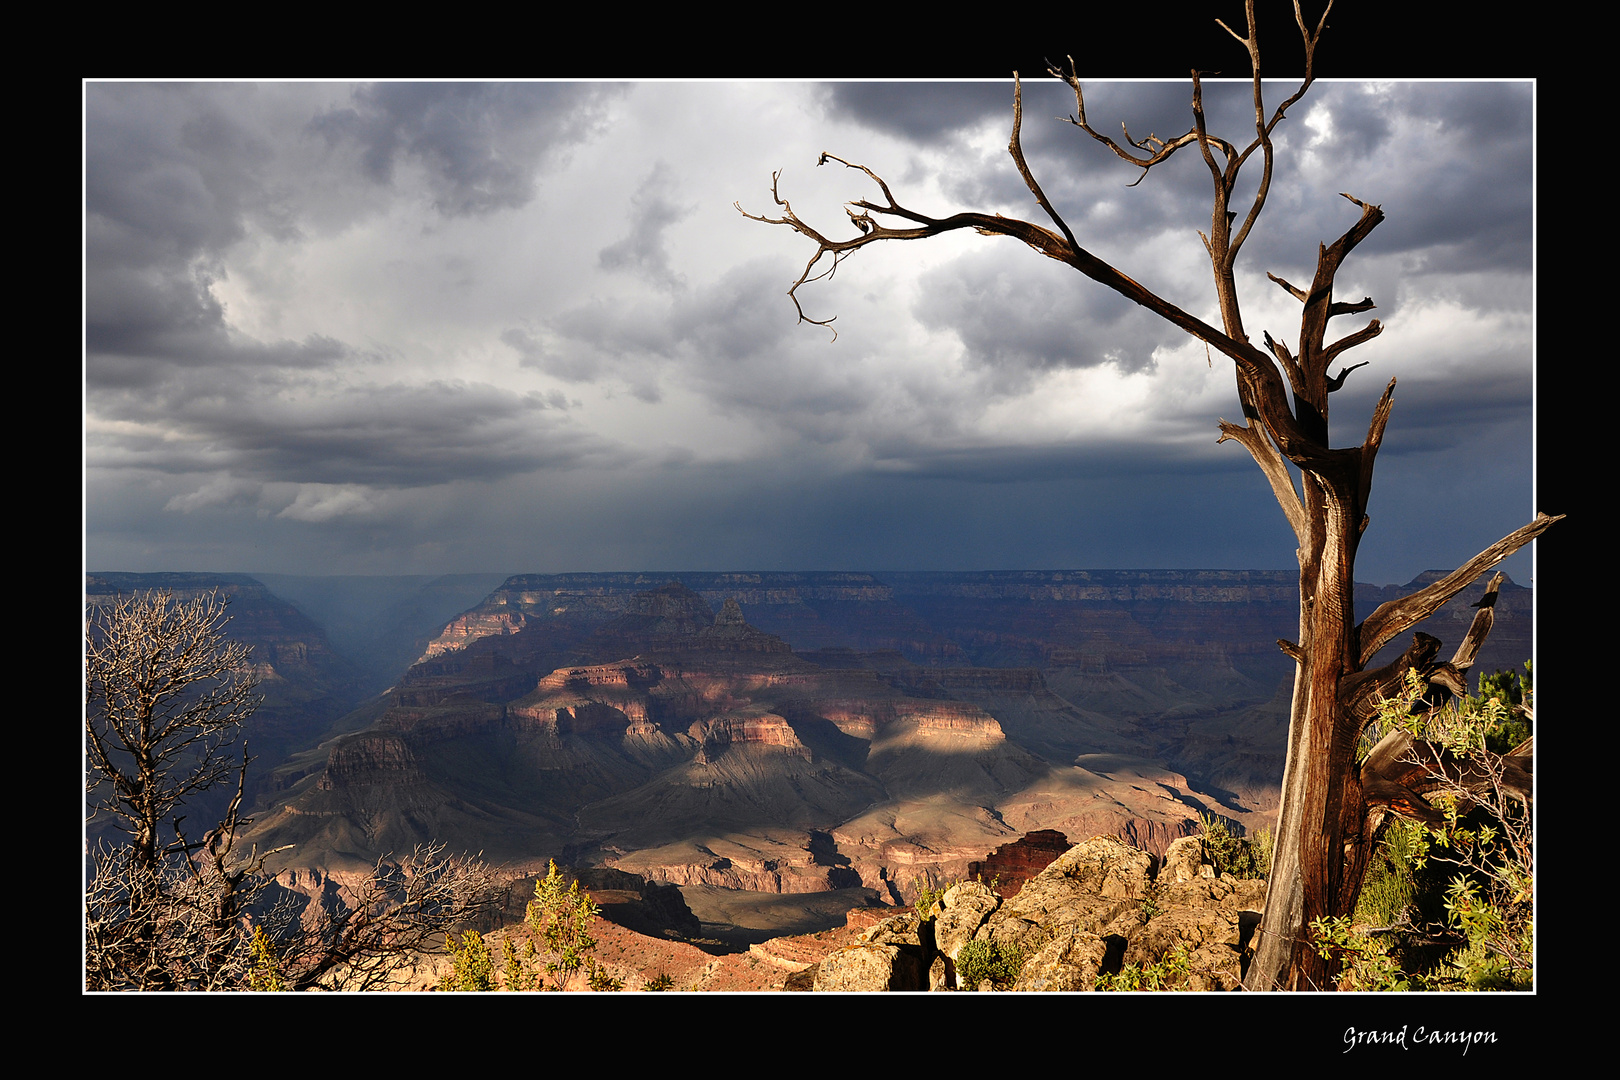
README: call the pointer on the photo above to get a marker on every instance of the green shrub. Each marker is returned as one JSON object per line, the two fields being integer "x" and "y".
{"x": 472, "y": 969}
{"x": 927, "y": 897}
{"x": 1515, "y": 695}
{"x": 1501, "y": 939}
{"x": 1169, "y": 973}
{"x": 1235, "y": 855}
{"x": 598, "y": 979}
{"x": 519, "y": 971}
{"x": 562, "y": 918}
{"x": 1390, "y": 889}
{"x": 981, "y": 961}
{"x": 1452, "y": 902}
{"x": 1365, "y": 961}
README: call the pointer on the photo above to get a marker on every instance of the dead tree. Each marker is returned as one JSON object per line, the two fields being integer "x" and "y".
{"x": 165, "y": 695}
{"x": 1324, "y": 836}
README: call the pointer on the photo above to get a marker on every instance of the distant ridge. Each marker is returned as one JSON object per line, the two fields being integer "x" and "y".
{"x": 109, "y": 583}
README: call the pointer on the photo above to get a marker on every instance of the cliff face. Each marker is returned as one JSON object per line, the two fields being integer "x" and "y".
{"x": 288, "y": 646}
{"x": 925, "y": 719}
{"x": 705, "y": 752}
{"x": 1005, "y": 870}
{"x": 807, "y": 610}
{"x": 1134, "y": 642}
{"x": 465, "y": 629}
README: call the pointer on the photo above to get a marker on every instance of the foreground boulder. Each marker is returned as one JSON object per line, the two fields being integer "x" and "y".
{"x": 1103, "y": 908}
{"x": 889, "y": 956}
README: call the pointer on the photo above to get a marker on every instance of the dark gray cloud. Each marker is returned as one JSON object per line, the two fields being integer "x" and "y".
{"x": 1431, "y": 415}
{"x": 457, "y": 326}
{"x": 1417, "y": 149}
{"x": 568, "y": 365}
{"x": 711, "y": 339}
{"x": 142, "y": 326}
{"x": 1016, "y": 317}
{"x": 1450, "y": 162}
{"x": 727, "y": 321}
{"x": 175, "y": 175}
{"x": 480, "y": 145}
{"x": 740, "y": 315}
{"x": 610, "y": 340}
{"x": 392, "y": 435}
{"x": 922, "y": 112}
{"x": 170, "y": 173}
{"x": 181, "y": 179}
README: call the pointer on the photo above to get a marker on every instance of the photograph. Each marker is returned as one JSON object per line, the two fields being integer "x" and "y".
{"x": 941, "y": 531}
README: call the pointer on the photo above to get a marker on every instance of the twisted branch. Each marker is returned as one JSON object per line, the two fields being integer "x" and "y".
{"x": 1397, "y": 616}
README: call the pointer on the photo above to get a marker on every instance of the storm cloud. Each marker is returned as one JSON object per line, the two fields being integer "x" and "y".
{"x": 435, "y": 327}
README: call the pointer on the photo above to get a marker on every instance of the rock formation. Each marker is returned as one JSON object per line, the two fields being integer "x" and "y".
{"x": 694, "y": 748}
{"x": 1099, "y": 908}
{"x": 1178, "y": 666}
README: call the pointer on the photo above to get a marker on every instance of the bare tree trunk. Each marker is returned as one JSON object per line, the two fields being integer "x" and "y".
{"x": 1325, "y": 827}
{"x": 1328, "y": 820}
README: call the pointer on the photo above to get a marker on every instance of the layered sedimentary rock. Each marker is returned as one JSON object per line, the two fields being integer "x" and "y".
{"x": 1179, "y": 665}
{"x": 467, "y": 628}
{"x": 694, "y": 748}
{"x": 291, "y": 655}
{"x": 808, "y": 610}
{"x": 647, "y": 723}
{"x": 1006, "y": 869}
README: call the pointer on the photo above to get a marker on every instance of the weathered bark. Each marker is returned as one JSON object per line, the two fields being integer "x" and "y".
{"x": 1325, "y": 829}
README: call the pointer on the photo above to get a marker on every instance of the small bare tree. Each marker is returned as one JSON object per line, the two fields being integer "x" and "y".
{"x": 165, "y": 696}
{"x": 1324, "y": 837}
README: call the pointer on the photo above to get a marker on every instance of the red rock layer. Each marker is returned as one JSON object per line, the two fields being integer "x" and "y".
{"x": 1007, "y": 868}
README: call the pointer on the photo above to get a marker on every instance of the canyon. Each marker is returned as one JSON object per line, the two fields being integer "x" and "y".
{"x": 778, "y": 733}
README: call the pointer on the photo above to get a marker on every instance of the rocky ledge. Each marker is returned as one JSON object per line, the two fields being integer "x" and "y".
{"x": 1100, "y": 907}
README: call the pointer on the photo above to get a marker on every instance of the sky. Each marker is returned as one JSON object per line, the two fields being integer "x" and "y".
{"x": 422, "y": 328}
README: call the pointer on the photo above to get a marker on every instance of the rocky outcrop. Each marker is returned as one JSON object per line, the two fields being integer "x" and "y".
{"x": 464, "y": 629}
{"x": 781, "y": 864}
{"x": 889, "y": 956}
{"x": 372, "y": 759}
{"x": 812, "y": 609}
{"x": 711, "y": 730}
{"x": 1177, "y": 665}
{"x": 719, "y": 734}
{"x": 1099, "y": 907}
{"x": 615, "y": 723}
